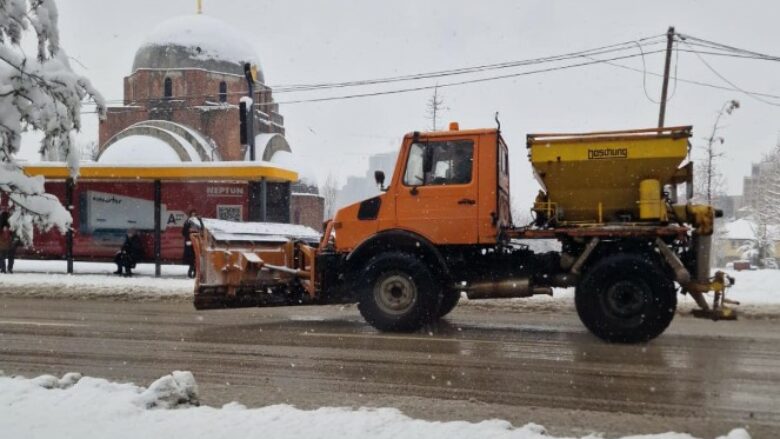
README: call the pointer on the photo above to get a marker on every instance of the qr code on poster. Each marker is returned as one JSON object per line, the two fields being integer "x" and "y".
{"x": 229, "y": 213}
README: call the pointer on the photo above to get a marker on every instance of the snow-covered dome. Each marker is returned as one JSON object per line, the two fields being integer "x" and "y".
{"x": 139, "y": 150}
{"x": 196, "y": 41}
{"x": 157, "y": 141}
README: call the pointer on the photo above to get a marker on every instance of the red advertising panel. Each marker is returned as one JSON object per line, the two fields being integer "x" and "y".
{"x": 103, "y": 211}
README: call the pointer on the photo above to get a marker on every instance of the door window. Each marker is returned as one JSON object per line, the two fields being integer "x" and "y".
{"x": 446, "y": 163}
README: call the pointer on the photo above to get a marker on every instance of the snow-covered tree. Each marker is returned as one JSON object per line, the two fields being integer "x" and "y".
{"x": 330, "y": 193}
{"x": 766, "y": 208}
{"x": 43, "y": 94}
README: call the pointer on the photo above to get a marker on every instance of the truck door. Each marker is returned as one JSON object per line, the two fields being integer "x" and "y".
{"x": 437, "y": 194}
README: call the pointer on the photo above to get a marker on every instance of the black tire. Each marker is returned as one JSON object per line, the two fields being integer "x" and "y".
{"x": 397, "y": 292}
{"x": 448, "y": 302}
{"x": 626, "y": 299}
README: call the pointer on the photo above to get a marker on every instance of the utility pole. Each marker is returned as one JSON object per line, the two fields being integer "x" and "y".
{"x": 669, "y": 43}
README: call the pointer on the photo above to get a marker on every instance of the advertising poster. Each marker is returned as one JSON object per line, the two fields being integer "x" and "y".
{"x": 104, "y": 211}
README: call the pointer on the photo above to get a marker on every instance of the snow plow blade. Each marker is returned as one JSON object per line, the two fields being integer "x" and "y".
{"x": 242, "y": 265}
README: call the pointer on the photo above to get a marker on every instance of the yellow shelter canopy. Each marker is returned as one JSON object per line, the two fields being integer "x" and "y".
{"x": 235, "y": 171}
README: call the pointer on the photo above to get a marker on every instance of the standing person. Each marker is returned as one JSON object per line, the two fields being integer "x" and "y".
{"x": 193, "y": 224}
{"x": 6, "y": 241}
{"x": 131, "y": 252}
{"x": 15, "y": 243}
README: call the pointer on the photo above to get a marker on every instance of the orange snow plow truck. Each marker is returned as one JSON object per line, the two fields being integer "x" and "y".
{"x": 442, "y": 228}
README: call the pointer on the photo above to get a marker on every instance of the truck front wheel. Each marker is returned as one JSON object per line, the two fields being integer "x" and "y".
{"x": 397, "y": 292}
{"x": 626, "y": 299}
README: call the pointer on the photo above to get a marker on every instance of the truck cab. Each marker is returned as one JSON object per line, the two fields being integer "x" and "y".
{"x": 448, "y": 188}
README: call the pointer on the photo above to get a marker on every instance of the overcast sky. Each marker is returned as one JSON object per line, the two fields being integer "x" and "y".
{"x": 315, "y": 41}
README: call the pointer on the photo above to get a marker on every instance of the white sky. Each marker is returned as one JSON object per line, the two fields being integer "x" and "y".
{"x": 337, "y": 40}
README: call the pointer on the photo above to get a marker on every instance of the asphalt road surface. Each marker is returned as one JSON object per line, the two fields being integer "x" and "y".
{"x": 699, "y": 377}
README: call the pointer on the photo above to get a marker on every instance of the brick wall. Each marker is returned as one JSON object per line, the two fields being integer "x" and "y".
{"x": 307, "y": 209}
{"x": 193, "y": 90}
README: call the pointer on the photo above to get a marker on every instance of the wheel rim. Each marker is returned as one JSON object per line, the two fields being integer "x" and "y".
{"x": 625, "y": 299}
{"x": 395, "y": 293}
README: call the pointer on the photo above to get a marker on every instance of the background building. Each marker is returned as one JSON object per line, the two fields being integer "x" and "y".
{"x": 360, "y": 188}
{"x": 181, "y": 104}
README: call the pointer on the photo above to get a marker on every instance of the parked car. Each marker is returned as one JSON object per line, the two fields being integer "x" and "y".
{"x": 742, "y": 264}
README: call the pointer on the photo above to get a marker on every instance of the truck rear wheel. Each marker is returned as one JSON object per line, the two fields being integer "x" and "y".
{"x": 397, "y": 292}
{"x": 626, "y": 299}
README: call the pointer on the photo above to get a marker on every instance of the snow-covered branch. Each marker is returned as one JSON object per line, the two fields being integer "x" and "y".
{"x": 42, "y": 94}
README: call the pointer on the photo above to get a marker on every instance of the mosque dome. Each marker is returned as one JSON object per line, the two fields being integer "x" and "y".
{"x": 196, "y": 41}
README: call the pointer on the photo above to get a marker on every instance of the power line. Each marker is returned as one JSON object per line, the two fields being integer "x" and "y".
{"x": 719, "y": 50}
{"x": 428, "y": 87}
{"x": 690, "y": 81}
{"x": 290, "y": 88}
{"x": 690, "y": 39}
{"x": 473, "y": 69}
{"x": 724, "y": 79}
{"x": 725, "y": 54}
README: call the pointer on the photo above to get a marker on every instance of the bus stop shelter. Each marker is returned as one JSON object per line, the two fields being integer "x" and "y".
{"x": 257, "y": 175}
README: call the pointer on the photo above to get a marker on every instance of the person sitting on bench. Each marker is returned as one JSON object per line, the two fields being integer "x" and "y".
{"x": 132, "y": 251}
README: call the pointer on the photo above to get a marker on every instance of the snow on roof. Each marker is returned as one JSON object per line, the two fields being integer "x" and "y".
{"x": 141, "y": 150}
{"x": 205, "y": 38}
{"x": 745, "y": 229}
{"x": 234, "y": 231}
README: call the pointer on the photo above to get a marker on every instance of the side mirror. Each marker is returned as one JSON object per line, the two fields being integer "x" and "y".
{"x": 379, "y": 177}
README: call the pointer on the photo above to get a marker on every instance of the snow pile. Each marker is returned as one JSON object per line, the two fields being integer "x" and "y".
{"x": 93, "y": 279}
{"x": 204, "y": 38}
{"x": 178, "y": 389}
{"x": 92, "y": 407}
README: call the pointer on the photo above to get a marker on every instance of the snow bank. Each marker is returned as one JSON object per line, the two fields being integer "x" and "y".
{"x": 94, "y": 279}
{"x": 84, "y": 407}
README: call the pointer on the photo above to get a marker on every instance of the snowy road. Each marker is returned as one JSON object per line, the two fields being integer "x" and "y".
{"x": 700, "y": 377}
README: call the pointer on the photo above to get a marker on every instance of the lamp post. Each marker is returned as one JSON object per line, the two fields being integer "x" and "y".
{"x": 250, "y": 73}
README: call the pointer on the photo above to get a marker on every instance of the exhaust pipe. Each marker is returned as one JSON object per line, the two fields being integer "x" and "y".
{"x": 505, "y": 289}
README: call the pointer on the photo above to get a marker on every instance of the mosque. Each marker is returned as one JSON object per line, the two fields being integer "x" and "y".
{"x": 181, "y": 104}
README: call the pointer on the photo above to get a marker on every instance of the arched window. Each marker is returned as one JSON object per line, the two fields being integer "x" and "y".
{"x": 223, "y": 91}
{"x": 168, "y": 93}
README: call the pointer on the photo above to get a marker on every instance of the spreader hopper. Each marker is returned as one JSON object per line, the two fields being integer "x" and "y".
{"x": 608, "y": 176}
